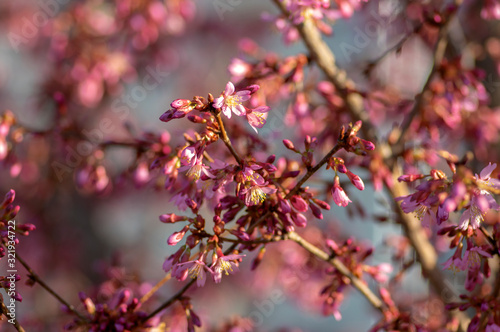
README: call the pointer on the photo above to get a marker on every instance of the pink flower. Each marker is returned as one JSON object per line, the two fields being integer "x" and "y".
{"x": 256, "y": 194}
{"x": 339, "y": 196}
{"x": 482, "y": 200}
{"x": 230, "y": 101}
{"x": 224, "y": 264}
{"x": 197, "y": 269}
{"x": 192, "y": 161}
{"x": 257, "y": 117}
{"x": 180, "y": 201}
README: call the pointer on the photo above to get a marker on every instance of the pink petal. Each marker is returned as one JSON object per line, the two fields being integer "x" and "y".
{"x": 218, "y": 102}
{"x": 229, "y": 89}
{"x": 486, "y": 172}
{"x": 227, "y": 112}
{"x": 239, "y": 110}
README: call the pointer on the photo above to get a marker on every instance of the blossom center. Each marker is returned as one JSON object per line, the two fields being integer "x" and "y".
{"x": 420, "y": 212}
{"x": 225, "y": 266}
{"x": 195, "y": 271}
{"x": 232, "y": 101}
{"x": 257, "y": 196}
{"x": 195, "y": 171}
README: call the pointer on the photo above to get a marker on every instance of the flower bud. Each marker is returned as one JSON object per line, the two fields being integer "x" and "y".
{"x": 171, "y": 218}
{"x": 299, "y": 203}
{"x": 289, "y": 145}
{"x": 177, "y": 236}
{"x": 356, "y": 180}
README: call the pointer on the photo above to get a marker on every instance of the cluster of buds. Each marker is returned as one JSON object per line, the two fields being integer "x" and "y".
{"x": 9, "y": 229}
{"x": 120, "y": 313}
{"x": 352, "y": 143}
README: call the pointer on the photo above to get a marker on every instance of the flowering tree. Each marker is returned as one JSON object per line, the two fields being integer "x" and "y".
{"x": 393, "y": 120}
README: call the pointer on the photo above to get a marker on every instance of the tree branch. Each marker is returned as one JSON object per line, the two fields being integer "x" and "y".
{"x": 36, "y": 278}
{"x": 226, "y": 140}
{"x": 16, "y": 324}
{"x": 335, "y": 262}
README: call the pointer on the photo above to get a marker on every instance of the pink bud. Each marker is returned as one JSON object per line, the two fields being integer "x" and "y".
{"x": 177, "y": 236}
{"x": 284, "y": 205}
{"x": 299, "y": 219}
{"x": 410, "y": 177}
{"x": 316, "y": 211}
{"x": 9, "y": 198}
{"x": 171, "y": 218}
{"x": 299, "y": 203}
{"x": 367, "y": 145}
{"x": 179, "y": 103}
{"x": 356, "y": 180}
{"x": 341, "y": 168}
{"x": 289, "y": 145}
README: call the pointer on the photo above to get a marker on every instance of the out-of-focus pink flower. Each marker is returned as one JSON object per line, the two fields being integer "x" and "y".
{"x": 491, "y": 10}
{"x": 231, "y": 102}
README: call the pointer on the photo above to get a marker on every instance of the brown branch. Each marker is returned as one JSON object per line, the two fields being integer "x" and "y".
{"x": 335, "y": 262}
{"x": 36, "y": 278}
{"x": 16, "y": 324}
{"x": 313, "y": 170}
{"x": 153, "y": 290}
{"x": 170, "y": 301}
{"x": 226, "y": 140}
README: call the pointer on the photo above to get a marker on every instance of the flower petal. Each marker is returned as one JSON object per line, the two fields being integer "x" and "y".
{"x": 486, "y": 172}
{"x": 229, "y": 89}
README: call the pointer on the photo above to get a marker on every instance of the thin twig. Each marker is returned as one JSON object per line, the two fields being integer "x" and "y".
{"x": 226, "y": 140}
{"x": 395, "y": 47}
{"x": 313, "y": 170}
{"x": 170, "y": 301}
{"x": 16, "y": 324}
{"x": 153, "y": 290}
{"x": 335, "y": 262}
{"x": 36, "y": 278}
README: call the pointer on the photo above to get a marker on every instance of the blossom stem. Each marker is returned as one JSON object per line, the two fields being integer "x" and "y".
{"x": 36, "y": 278}
{"x": 226, "y": 140}
{"x": 313, "y": 170}
{"x": 489, "y": 237}
{"x": 374, "y": 300}
{"x": 171, "y": 300}
{"x": 153, "y": 290}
